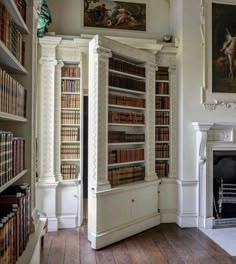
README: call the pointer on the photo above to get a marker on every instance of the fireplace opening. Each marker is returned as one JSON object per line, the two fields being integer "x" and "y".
{"x": 224, "y": 187}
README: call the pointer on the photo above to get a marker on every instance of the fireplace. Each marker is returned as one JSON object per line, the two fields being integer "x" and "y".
{"x": 224, "y": 188}
{"x": 216, "y": 174}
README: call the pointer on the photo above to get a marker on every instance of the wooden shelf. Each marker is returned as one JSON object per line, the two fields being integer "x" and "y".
{"x": 162, "y": 142}
{"x": 162, "y": 159}
{"x": 70, "y": 78}
{"x": 162, "y": 81}
{"x": 124, "y": 124}
{"x": 70, "y": 160}
{"x": 123, "y": 90}
{"x": 128, "y": 74}
{"x": 162, "y": 125}
{"x": 162, "y": 110}
{"x": 126, "y": 163}
{"x": 16, "y": 178}
{"x": 68, "y": 108}
{"x": 162, "y": 95}
{"x": 10, "y": 117}
{"x": 15, "y": 15}
{"x": 70, "y": 142}
{"x": 70, "y": 92}
{"x": 9, "y": 61}
{"x": 126, "y": 143}
{"x": 71, "y": 125}
{"x": 126, "y": 107}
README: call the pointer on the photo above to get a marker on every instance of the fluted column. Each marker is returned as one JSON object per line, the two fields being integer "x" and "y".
{"x": 47, "y": 183}
{"x": 150, "y": 173}
{"x": 57, "y": 126}
{"x": 98, "y": 118}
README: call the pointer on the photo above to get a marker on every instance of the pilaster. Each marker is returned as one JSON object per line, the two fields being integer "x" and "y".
{"x": 98, "y": 119}
{"x": 150, "y": 173}
{"x": 57, "y": 126}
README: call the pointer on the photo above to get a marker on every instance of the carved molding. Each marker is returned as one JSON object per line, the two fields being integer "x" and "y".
{"x": 220, "y": 135}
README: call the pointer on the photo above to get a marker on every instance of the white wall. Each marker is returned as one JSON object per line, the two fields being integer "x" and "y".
{"x": 67, "y": 19}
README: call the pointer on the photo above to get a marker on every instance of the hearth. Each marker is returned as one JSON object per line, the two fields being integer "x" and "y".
{"x": 224, "y": 188}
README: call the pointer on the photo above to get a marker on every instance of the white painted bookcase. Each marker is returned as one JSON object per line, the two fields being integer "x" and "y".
{"x": 119, "y": 211}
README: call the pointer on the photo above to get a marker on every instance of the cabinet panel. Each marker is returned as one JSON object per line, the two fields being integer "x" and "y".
{"x": 67, "y": 200}
{"x": 113, "y": 210}
{"x": 144, "y": 202}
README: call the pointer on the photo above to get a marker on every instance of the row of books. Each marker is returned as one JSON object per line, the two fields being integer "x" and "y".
{"x": 12, "y": 95}
{"x": 162, "y": 118}
{"x": 70, "y": 101}
{"x": 126, "y": 83}
{"x": 10, "y": 35}
{"x": 162, "y": 168}
{"x": 70, "y": 152}
{"x": 126, "y": 101}
{"x": 70, "y": 117}
{"x": 162, "y": 134}
{"x": 125, "y": 155}
{"x": 70, "y": 134}
{"x": 162, "y": 88}
{"x": 124, "y": 66}
{"x": 21, "y": 6}
{"x": 123, "y": 137}
{"x": 15, "y": 222}
{"x": 72, "y": 86}
{"x": 162, "y": 73}
{"x": 125, "y": 175}
{"x": 70, "y": 71}
{"x": 162, "y": 150}
{"x": 162, "y": 102}
{"x": 69, "y": 171}
{"x": 12, "y": 157}
{"x": 126, "y": 117}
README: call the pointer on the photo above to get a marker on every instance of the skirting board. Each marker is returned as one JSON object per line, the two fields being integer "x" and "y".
{"x": 52, "y": 224}
{"x": 168, "y": 217}
{"x": 67, "y": 221}
{"x": 111, "y": 236}
{"x": 187, "y": 221}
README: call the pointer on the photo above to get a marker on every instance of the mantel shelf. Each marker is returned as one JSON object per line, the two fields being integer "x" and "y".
{"x": 16, "y": 178}
{"x": 10, "y": 117}
{"x": 16, "y": 16}
{"x": 127, "y": 74}
{"x": 9, "y": 61}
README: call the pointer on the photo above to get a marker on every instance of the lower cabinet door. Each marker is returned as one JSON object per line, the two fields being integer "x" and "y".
{"x": 144, "y": 202}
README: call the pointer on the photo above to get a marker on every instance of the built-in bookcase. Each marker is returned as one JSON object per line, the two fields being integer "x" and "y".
{"x": 126, "y": 117}
{"x": 71, "y": 98}
{"x": 163, "y": 107}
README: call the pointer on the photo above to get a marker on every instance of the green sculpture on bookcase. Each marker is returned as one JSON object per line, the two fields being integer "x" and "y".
{"x": 44, "y": 19}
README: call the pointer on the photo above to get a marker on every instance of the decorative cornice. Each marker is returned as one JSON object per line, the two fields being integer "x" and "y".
{"x": 202, "y": 126}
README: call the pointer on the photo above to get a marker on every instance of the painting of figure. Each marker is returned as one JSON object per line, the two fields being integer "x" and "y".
{"x": 223, "y": 48}
{"x": 115, "y": 15}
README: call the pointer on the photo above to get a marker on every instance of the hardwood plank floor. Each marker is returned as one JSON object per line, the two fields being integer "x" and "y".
{"x": 164, "y": 244}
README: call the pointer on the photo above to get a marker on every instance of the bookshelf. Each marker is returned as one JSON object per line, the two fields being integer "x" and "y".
{"x": 163, "y": 108}
{"x": 121, "y": 149}
{"x": 71, "y": 102}
{"x": 17, "y": 121}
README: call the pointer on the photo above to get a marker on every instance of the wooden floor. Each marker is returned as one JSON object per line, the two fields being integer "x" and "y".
{"x": 164, "y": 244}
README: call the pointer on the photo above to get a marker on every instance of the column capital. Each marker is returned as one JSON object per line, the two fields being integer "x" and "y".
{"x": 151, "y": 66}
{"x": 104, "y": 53}
{"x": 46, "y": 61}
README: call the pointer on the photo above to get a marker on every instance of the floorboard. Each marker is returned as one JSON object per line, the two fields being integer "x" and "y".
{"x": 165, "y": 244}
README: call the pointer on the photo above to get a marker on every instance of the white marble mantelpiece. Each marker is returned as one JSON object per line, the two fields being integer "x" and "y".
{"x": 210, "y": 137}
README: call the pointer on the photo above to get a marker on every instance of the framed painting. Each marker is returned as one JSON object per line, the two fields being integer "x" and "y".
{"x": 218, "y": 30}
{"x": 114, "y": 15}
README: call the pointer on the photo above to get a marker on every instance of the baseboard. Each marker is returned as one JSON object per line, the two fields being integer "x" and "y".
{"x": 67, "y": 221}
{"x": 168, "y": 216}
{"x": 101, "y": 240}
{"x": 187, "y": 220}
{"x": 52, "y": 224}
